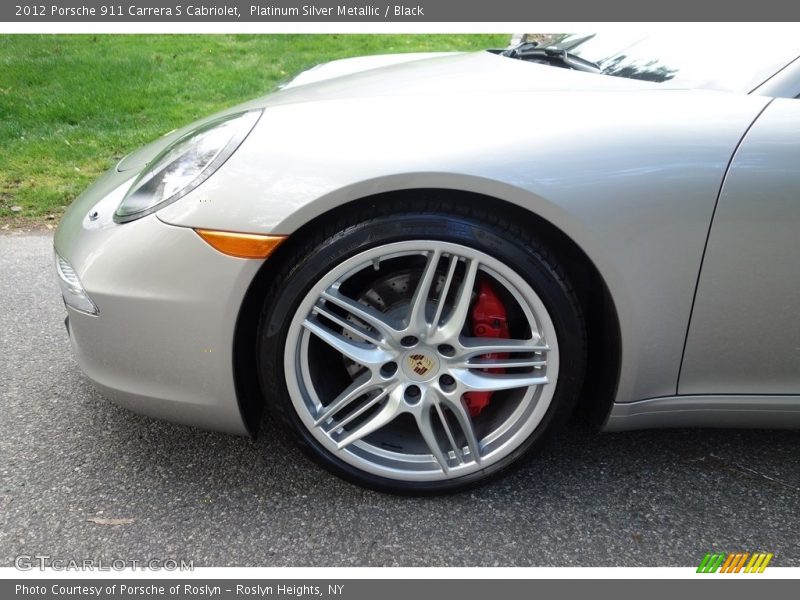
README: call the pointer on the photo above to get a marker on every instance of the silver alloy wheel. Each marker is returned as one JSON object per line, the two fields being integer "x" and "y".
{"x": 400, "y": 412}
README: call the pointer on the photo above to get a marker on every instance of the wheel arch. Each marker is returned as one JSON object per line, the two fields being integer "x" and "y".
{"x": 603, "y": 329}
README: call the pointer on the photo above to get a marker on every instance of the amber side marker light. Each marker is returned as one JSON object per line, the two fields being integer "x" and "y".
{"x": 241, "y": 245}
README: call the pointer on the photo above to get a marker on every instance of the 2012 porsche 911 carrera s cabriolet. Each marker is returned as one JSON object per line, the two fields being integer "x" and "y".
{"x": 421, "y": 262}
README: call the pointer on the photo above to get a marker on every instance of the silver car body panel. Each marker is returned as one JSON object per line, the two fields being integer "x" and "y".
{"x": 769, "y": 412}
{"x": 357, "y": 64}
{"x": 744, "y": 336}
{"x": 629, "y": 170}
{"x": 168, "y": 302}
{"x": 784, "y": 84}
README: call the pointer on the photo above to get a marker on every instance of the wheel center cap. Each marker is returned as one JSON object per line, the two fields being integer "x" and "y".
{"x": 420, "y": 365}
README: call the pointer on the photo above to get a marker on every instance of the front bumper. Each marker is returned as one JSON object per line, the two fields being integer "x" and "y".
{"x": 162, "y": 341}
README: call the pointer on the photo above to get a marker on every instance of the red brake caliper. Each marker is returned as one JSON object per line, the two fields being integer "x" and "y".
{"x": 488, "y": 321}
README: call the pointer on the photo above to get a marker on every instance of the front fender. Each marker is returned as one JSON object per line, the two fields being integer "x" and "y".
{"x": 631, "y": 177}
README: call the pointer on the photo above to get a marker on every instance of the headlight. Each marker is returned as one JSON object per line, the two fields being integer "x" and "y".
{"x": 185, "y": 164}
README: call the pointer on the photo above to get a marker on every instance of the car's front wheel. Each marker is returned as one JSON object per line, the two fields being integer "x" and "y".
{"x": 420, "y": 353}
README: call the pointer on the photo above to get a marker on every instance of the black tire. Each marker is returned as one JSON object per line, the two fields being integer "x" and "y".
{"x": 324, "y": 247}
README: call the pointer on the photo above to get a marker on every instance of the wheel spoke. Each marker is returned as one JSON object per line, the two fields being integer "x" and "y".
{"x": 425, "y": 424}
{"x": 478, "y": 381}
{"x": 361, "y": 353}
{"x": 502, "y": 363}
{"x": 443, "y": 295}
{"x": 460, "y": 311}
{"x": 473, "y": 346}
{"x": 366, "y": 314}
{"x": 365, "y": 383}
{"x": 339, "y": 425}
{"x": 459, "y": 411}
{"x": 416, "y": 318}
{"x": 382, "y": 417}
{"x": 448, "y": 432}
{"x": 360, "y": 332}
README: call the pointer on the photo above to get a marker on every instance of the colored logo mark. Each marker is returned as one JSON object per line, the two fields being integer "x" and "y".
{"x": 735, "y": 562}
{"x": 420, "y": 363}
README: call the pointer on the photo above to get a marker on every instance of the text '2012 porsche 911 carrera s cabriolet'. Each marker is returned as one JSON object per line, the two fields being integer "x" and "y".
{"x": 420, "y": 262}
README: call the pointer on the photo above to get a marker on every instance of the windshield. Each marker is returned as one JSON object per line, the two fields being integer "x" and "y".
{"x": 715, "y": 60}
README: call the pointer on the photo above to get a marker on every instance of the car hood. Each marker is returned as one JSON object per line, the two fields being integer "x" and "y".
{"x": 357, "y": 64}
{"x": 432, "y": 74}
{"x": 453, "y": 74}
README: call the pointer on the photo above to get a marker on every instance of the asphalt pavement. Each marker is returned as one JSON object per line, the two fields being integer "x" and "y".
{"x": 651, "y": 498}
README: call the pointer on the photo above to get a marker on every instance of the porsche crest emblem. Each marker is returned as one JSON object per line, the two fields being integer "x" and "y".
{"x": 420, "y": 364}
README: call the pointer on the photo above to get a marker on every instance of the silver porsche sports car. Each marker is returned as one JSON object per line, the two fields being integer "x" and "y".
{"x": 420, "y": 263}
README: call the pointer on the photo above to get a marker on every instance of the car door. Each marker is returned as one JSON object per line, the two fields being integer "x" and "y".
{"x": 744, "y": 334}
